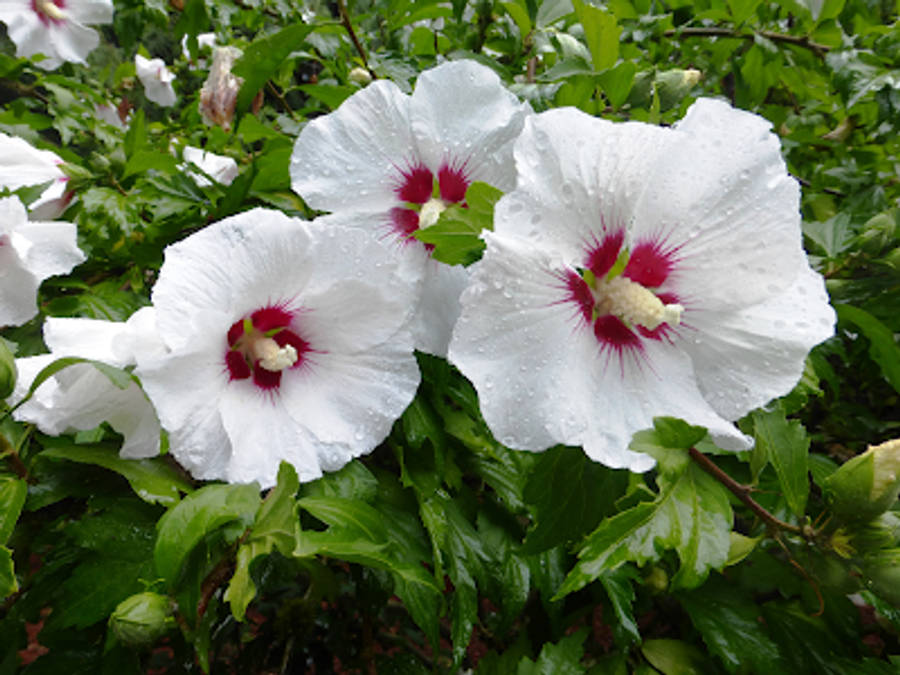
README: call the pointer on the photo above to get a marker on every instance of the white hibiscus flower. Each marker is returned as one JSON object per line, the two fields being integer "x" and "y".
{"x": 638, "y": 271}
{"x": 79, "y": 397}
{"x": 55, "y": 28}
{"x": 287, "y": 342}
{"x": 157, "y": 80}
{"x": 223, "y": 169}
{"x": 30, "y": 252}
{"x": 392, "y": 162}
{"x": 22, "y": 164}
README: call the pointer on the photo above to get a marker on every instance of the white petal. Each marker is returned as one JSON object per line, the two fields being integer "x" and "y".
{"x": 72, "y": 42}
{"x": 438, "y": 307}
{"x": 25, "y": 29}
{"x": 578, "y": 178}
{"x": 746, "y": 358}
{"x": 18, "y": 290}
{"x": 461, "y": 113}
{"x": 139, "y": 338}
{"x": 22, "y": 164}
{"x": 85, "y": 338}
{"x": 223, "y": 169}
{"x": 90, "y": 11}
{"x": 157, "y": 80}
{"x": 352, "y": 158}
{"x": 721, "y": 195}
{"x": 52, "y": 248}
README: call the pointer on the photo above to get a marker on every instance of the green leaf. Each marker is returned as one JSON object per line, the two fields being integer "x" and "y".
{"x": 144, "y": 160}
{"x": 741, "y": 10}
{"x": 882, "y": 347}
{"x": 691, "y": 515}
{"x": 12, "y": 498}
{"x": 8, "y": 582}
{"x": 195, "y": 516}
{"x": 616, "y": 82}
{"x": 675, "y": 657}
{"x": 617, "y": 585}
{"x": 119, "y": 377}
{"x": 519, "y": 14}
{"x": 675, "y": 433}
{"x": 729, "y": 621}
{"x": 456, "y": 235}
{"x": 262, "y": 59}
{"x": 787, "y": 447}
{"x": 562, "y": 658}
{"x": 331, "y": 95}
{"x": 152, "y": 480}
{"x": 273, "y": 528}
{"x": 568, "y": 494}
{"x": 601, "y": 32}
{"x": 96, "y": 586}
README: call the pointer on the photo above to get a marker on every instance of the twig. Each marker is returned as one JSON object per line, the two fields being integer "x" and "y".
{"x": 345, "y": 21}
{"x": 743, "y": 493}
{"x": 12, "y": 456}
{"x": 281, "y": 98}
{"x": 796, "y": 40}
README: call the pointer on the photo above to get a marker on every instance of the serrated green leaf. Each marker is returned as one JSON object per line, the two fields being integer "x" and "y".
{"x": 151, "y": 479}
{"x": 263, "y": 58}
{"x": 96, "y": 586}
{"x": 691, "y": 515}
{"x": 12, "y": 498}
{"x": 455, "y": 237}
{"x": 728, "y": 620}
{"x": 353, "y": 481}
{"x": 787, "y": 447}
{"x": 568, "y": 494}
{"x": 331, "y": 95}
{"x": 144, "y": 160}
{"x": 675, "y": 657}
{"x": 675, "y": 433}
{"x": 8, "y": 582}
{"x": 617, "y": 584}
{"x": 882, "y": 347}
{"x": 519, "y": 14}
{"x": 562, "y": 658}
{"x": 198, "y": 514}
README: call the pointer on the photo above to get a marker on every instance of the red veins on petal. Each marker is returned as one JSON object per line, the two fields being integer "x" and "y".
{"x": 404, "y": 222}
{"x": 453, "y": 184}
{"x": 269, "y": 318}
{"x": 266, "y": 379}
{"x": 648, "y": 265}
{"x": 602, "y": 255}
{"x": 580, "y": 294}
{"x": 417, "y": 185}
{"x": 238, "y": 368}
{"x": 613, "y": 334}
{"x": 236, "y": 332}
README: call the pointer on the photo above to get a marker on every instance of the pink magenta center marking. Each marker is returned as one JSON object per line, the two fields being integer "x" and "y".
{"x": 45, "y": 18}
{"x": 417, "y": 187}
{"x": 273, "y": 321}
{"x": 603, "y": 254}
{"x": 648, "y": 265}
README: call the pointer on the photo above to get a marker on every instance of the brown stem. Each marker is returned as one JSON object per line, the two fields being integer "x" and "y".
{"x": 345, "y": 21}
{"x": 796, "y": 40}
{"x": 281, "y": 99}
{"x": 15, "y": 462}
{"x": 743, "y": 493}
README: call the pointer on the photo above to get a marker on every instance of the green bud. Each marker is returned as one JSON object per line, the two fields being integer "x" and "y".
{"x": 674, "y": 85}
{"x": 656, "y": 579}
{"x": 882, "y": 574}
{"x": 867, "y": 485}
{"x": 360, "y": 76}
{"x": 879, "y": 232}
{"x": 8, "y": 372}
{"x": 142, "y": 619}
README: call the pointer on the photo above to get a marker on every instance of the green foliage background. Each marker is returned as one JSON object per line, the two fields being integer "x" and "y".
{"x": 444, "y": 551}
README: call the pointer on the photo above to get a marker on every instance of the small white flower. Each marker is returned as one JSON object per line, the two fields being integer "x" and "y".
{"x": 22, "y": 164}
{"x": 223, "y": 169}
{"x": 218, "y": 95}
{"x": 110, "y": 114}
{"x": 639, "y": 271}
{"x": 157, "y": 80}
{"x": 55, "y": 28}
{"x": 203, "y": 40}
{"x": 287, "y": 342}
{"x": 79, "y": 397}
{"x": 390, "y": 162}
{"x": 30, "y": 252}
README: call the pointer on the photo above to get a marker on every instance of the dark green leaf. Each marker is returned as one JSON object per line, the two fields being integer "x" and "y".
{"x": 882, "y": 347}
{"x": 787, "y": 447}
{"x": 12, "y": 498}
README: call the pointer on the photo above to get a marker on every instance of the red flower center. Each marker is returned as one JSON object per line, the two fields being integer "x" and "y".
{"x": 49, "y": 11}
{"x": 418, "y": 186}
{"x": 264, "y": 344}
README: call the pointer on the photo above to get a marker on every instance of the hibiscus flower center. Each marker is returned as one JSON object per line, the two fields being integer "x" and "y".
{"x": 617, "y": 292}
{"x": 49, "y": 10}
{"x": 263, "y": 345}
{"x": 426, "y": 196}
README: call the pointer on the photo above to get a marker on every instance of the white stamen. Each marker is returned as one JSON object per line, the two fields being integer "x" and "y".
{"x": 271, "y": 356}
{"x": 431, "y": 211}
{"x": 635, "y": 304}
{"x": 48, "y": 8}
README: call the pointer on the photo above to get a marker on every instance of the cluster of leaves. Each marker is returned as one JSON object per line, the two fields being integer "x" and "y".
{"x": 443, "y": 549}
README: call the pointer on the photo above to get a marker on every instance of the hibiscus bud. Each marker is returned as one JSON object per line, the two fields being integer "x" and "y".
{"x": 219, "y": 93}
{"x": 671, "y": 86}
{"x": 360, "y": 76}
{"x": 8, "y": 371}
{"x": 867, "y": 485}
{"x": 142, "y": 619}
{"x": 656, "y": 580}
{"x": 882, "y": 572}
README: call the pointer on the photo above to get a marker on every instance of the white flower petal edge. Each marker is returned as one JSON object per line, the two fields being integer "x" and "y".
{"x": 157, "y": 80}
{"x": 712, "y": 314}
{"x": 223, "y": 169}
{"x": 22, "y": 164}
{"x": 288, "y": 342}
{"x": 29, "y": 253}
{"x": 54, "y": 29}
{"x": 79, "y": 397}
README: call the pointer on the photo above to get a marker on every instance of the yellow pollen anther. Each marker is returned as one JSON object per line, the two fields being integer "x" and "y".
{"x": 431, "y": 211}
{"x": 271, "y": 356}
{"x": 48, "y": 8}
{"x": 635, "y": 304}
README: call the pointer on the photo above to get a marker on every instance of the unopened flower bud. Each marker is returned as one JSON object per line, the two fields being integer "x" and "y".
{"x": 656, "y": 580}
{"x": 360, "y": 76}
{"x": 867, "y": 485}
{"x": 219, "y": 93}
{"x": 8, "y": 370}
{"x": 142, "y": 619}
{"x": 882, "y": 574}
